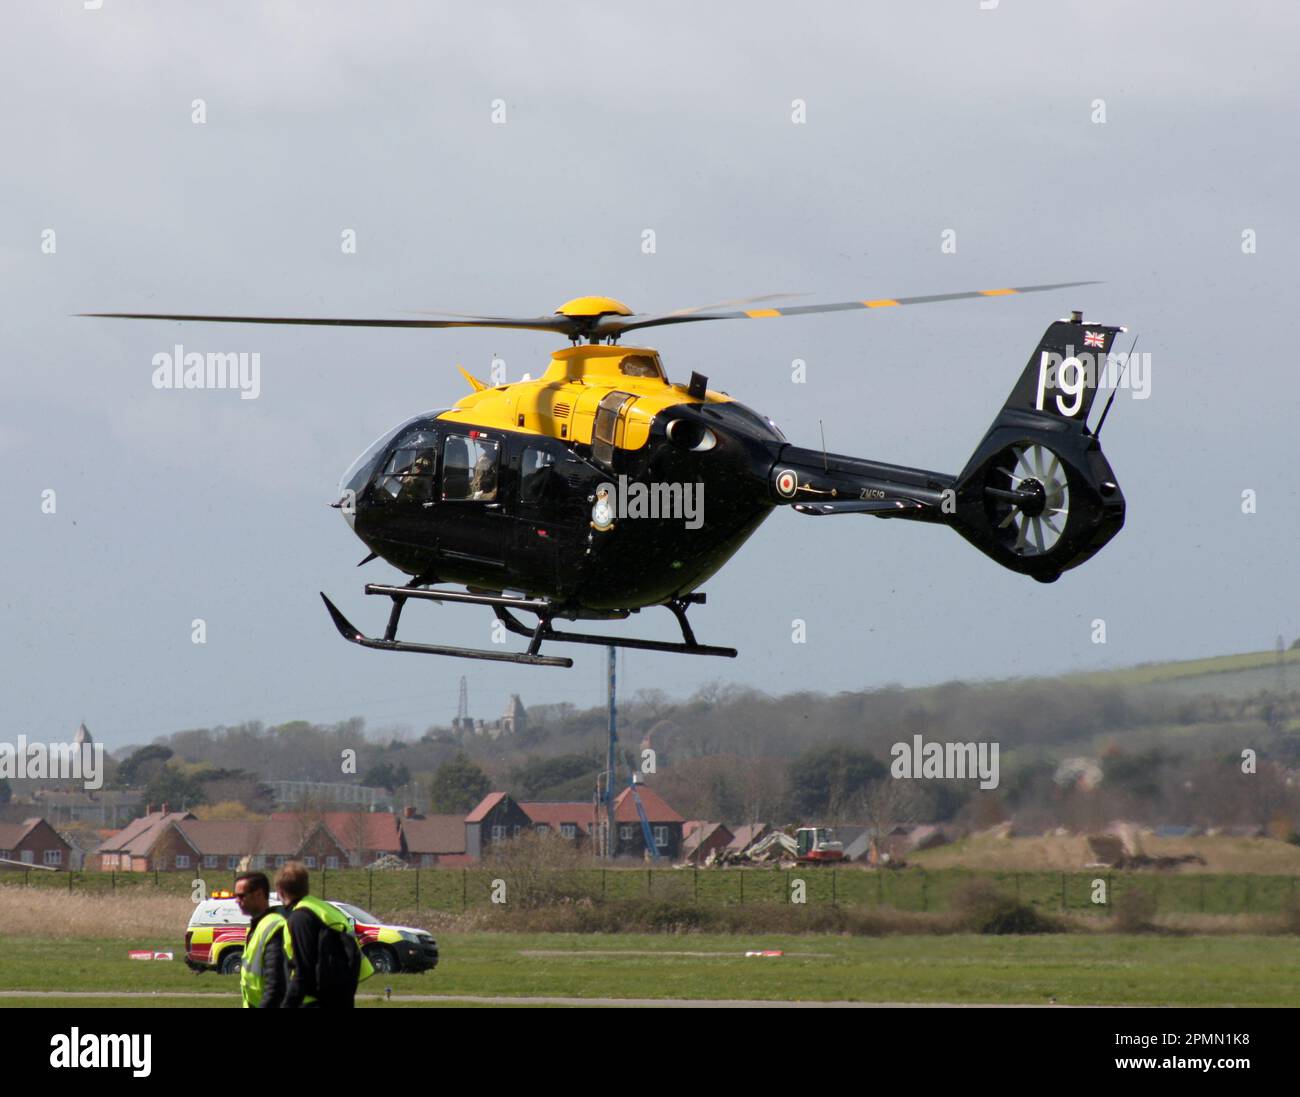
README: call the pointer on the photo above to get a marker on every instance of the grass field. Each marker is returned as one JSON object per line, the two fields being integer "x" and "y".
{"x": 1226, "y": 858}
{"x": 1043, "y": 872}
{"x": 1075, "y": 970}
{"x": 60, "y": 944}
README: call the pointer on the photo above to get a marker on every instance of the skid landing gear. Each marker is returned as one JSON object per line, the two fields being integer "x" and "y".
{"x": 504, "y": 606}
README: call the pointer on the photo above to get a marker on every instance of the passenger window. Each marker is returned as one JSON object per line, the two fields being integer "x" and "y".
{"x": 535, "y": 475}
{"x": 469, "y": 469}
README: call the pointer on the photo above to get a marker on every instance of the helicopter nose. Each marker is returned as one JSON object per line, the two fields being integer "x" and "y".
{"x": 346, "y": 504}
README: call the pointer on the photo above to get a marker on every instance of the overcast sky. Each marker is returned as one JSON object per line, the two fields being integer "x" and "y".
{"x": 173, "y": 506}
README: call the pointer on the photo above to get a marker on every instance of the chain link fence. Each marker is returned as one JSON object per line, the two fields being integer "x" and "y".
{"x": 910, "y": 890}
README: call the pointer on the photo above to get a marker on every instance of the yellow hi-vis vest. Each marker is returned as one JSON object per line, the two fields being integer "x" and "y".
{"x": 251, "y": 975}
{"x": 336, "y": 920}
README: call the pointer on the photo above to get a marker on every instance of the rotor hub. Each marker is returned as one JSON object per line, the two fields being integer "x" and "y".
{"x": 1035, "y": 505}
{"x": 593, "y": 307}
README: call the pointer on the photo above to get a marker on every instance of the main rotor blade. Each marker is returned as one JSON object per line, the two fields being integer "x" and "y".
{"x": 590, "y": 327}
{"x": 733, "y": 301}
{"x": 564, "y": 325}
{"x": 615, "y": 325}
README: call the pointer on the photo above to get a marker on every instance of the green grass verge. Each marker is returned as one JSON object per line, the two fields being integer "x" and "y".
{"x": 1074, "y": 969}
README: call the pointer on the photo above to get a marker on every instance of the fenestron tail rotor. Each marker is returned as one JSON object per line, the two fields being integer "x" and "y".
{"x": 1036, "y": 498}
{"x": 593, "y": 319}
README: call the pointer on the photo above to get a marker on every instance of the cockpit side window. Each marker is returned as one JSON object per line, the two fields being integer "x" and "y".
{"x": 470, "y": 468}
{"x": 407, "y": 476}
{"x": 363, "y": 470}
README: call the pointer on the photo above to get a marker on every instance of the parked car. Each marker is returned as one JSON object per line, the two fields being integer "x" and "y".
{"x": 214, "y": 940}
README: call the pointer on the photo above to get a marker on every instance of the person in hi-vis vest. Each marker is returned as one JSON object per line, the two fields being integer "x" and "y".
{"x": 325, "y": 958}
{"x": 264, "y": 966}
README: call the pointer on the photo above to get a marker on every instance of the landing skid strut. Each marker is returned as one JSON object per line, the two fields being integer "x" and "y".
{"x": 502, "y": 606}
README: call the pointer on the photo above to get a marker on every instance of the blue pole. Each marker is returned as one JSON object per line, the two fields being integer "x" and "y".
{"x": 612, "y": 778}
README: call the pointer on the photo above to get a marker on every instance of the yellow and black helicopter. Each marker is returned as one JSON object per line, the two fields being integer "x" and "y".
{"x": 602, "y": 488}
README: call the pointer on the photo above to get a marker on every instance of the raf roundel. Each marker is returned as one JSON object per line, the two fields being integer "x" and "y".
{"x": 787, "y": 483}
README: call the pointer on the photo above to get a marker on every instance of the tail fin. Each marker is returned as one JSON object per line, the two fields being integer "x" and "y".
{"x": 1038, "y": 495}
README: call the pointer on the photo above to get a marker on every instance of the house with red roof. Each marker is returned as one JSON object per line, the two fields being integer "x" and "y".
{"x": 365, "y": 836}
{"x": 434, "y": 840}
{"x": 494, "y": 819}
{"x": 178, "y": 841}
{"x": 139, "y": 846}
{"x": 568, "y": 818}
{"x": 33, "y": 842}
{"x": 665, "y": 824}
{"x": 498, "y": 817}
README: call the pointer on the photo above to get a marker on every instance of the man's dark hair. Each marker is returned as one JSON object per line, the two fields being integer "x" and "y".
{"x": 257, "y": 881}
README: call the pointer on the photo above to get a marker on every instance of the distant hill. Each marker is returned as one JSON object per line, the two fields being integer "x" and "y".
{"x": 1165, "y": 740}
{"x": 1224, "y": 675}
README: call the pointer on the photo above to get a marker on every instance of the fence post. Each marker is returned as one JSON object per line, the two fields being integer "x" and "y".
{"x": 1017, "y": 879}
{"x": 880, "y": 887}
{"x": 925, "y": 892}
{"x": 1110, "y": 893}
{"x": 417, "y": 891}
{"x": 27, "y": 877}
{"x": 833, "y": 893}
{"x": 370, "y": 885}
{"x": 463, "y": 885}
{"x": 602, "y": 884}
{"x": 69, "y": 881}
{"x": 742, "y": 887}
{"x": 1063, "y": 893}
{"x": 787, "y": 887}
{"x": 1201, "y": 900}
{"x": 113, "y": 881}
{"x": 324, "y": 877}
{"x": 697, "y": 884}
{"x": 155, "y": 876}
{"x": 1248, "y": 882}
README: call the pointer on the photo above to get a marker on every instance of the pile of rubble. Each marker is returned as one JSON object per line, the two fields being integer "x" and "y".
{"x": 772, "y": 849}
{"x": 1122, "y": 848}
{"x": 388, "y": 861}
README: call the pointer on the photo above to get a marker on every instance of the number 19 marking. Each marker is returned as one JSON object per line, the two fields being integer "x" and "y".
{"x": 1072, "y": 385}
